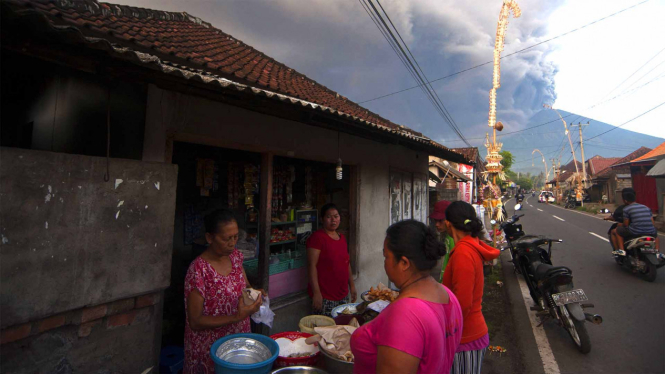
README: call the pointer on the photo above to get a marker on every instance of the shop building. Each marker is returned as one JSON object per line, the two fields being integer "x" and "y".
{"x": 122, "y": 127}
{"x": 611, "y": 180}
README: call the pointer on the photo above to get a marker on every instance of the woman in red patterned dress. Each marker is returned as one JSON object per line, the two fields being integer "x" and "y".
{"x": 213, "y": 293}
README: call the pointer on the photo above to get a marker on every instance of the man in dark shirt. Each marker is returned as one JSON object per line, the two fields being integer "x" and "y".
{"x": 637, "y": 220}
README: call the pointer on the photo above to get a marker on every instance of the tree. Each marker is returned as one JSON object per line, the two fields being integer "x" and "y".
{"x": 525, "y": 183}
{"x": 507, "y": 161}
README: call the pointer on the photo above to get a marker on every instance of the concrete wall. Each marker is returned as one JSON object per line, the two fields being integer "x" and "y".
{"x": 171, "y": 116}
{"x": 71, "y": 240}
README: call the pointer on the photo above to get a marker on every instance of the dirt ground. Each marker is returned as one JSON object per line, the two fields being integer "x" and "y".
{"x": 496, "y": 309}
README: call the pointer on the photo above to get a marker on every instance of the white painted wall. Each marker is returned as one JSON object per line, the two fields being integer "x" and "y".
{"x": 202, "y": 121}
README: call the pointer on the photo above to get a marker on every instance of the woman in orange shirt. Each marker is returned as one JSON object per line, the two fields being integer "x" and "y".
{"x": 464, "y": 276}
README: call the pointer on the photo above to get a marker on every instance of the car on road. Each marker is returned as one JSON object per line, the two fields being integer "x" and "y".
{"x": 546, "y": 197}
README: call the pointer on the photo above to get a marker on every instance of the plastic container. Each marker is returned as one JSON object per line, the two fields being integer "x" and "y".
{"x": 299, "y": 370}
{"x": 307, "y": 323}
{"x": 298, "y": 361}
{"x": 224, "y": 367}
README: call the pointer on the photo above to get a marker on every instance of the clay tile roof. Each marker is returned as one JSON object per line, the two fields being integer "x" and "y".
{"x": 598, "y": 164}
{"x": 188, "y": 41}
{"x": 620, "y": 165}
{"x": 658, "y": 151}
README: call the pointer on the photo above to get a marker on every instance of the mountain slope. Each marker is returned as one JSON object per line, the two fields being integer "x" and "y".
{"x": 550, "y": 138}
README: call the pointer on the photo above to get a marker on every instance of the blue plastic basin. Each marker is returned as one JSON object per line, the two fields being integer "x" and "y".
{"x": 224, "y": 367}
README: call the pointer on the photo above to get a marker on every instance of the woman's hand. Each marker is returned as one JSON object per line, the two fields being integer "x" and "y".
{"x": 317, "y": 301}
{"x": 245, "y": 311}
{"x": 354, "y": 293}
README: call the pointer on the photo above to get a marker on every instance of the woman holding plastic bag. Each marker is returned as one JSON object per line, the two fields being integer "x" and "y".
{"x": 214, "y": 289}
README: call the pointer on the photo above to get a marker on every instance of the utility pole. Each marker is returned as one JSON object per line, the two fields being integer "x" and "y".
{"x": 580, "y": 125}
{"x": 584, "y": 177}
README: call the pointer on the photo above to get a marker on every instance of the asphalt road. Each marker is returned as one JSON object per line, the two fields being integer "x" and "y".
{"x": 632, "y": 336}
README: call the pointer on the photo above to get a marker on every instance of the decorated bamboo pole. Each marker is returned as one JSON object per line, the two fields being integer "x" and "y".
{"x": 494, "y": 167}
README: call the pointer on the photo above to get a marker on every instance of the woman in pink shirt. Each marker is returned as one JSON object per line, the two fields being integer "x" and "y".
{"x": 420, "y": 331}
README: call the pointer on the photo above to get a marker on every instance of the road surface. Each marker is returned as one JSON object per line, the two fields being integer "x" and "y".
{"x": 632, "y": 336}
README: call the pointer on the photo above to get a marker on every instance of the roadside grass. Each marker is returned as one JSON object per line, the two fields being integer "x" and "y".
{"x": 494, "y": 303}
{"x": 501, "y": 326}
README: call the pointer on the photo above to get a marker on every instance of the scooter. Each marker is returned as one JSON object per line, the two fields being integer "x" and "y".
{"x": 640, "y": 255}
{"x": 551, "y": 287}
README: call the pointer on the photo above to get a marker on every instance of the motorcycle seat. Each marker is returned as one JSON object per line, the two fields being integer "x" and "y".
{"x": 530, "y": 241}
{"x": 547, "y": 270}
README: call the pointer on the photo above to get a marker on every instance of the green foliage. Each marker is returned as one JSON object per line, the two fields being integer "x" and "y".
{"x": 507, "y": 161}
{"x": 525, "y": 183}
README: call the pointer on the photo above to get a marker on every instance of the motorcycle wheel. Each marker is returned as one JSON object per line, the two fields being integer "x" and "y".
{"x": 650, "y": 272}
{"x": 577, "y": 331}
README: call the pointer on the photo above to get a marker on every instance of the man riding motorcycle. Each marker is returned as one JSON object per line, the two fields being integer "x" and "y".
{"x": 637, "y": 220}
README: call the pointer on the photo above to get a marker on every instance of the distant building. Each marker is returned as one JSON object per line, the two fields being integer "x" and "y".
{"x": 611, "y": 180}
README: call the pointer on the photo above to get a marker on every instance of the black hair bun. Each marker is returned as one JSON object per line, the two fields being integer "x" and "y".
{"x": 434, "y": 248}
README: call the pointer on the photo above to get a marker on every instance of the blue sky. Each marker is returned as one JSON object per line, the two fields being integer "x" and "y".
{"x": 335, "y": 43}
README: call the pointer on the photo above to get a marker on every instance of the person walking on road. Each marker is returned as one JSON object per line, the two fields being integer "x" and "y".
{"x": 439, "y": 219}
{"x": 464, "y": 276}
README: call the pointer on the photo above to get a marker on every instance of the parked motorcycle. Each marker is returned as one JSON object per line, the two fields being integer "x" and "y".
{"x": 640, "y": 255}
{"x": 551, "y": 287}
{"x": 571, "y": 202}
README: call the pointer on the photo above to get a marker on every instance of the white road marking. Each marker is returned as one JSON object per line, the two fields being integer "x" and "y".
{"x": 540, "y": 210}
{"x": 598, "y": 236}
{"x": 560, "y": 219}
{"x": 544, "y": 349}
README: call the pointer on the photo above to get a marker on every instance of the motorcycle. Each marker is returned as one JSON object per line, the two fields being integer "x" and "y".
{"x": 640, "y": 256}
{"x": 551, "y": 287}
{"x": 571, "y": 202}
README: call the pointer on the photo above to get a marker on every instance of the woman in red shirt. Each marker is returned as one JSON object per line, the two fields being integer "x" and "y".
{"x": 464, "y": 276}
{"x": 330, "y": 277}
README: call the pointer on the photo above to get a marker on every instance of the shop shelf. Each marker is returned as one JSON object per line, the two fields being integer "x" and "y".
{"x": 283, "y": 223}
{"x": 279, "y": 268}
{"x": 284, "y": 242}
{"x": 298, "y": 262}
{"x": 251, "y": 266}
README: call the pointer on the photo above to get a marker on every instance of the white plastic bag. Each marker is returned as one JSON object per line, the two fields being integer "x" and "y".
{"x": 264, "y": 315}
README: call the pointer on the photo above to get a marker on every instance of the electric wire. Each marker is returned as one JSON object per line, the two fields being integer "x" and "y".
{"x": 635, "y": 72}
{"x": 627, "y": 122}
{"x": 416, "y": 72}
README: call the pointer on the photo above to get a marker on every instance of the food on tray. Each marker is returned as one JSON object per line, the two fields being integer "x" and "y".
{"x": 381, "y": 292}
{"x": 348, "y": 310}
{"x": 335, "y": 340}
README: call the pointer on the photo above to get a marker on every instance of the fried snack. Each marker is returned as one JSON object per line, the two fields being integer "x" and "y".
{"x": 382, "y": 293}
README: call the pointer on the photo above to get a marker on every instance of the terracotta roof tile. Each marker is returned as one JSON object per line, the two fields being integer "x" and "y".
{"x": 195, "y": 41}
{"x": 658, "y": 151}
{"x": 598, "y": 164}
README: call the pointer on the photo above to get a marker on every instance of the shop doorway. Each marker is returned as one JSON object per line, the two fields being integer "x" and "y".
{"x": 211, "y": 178}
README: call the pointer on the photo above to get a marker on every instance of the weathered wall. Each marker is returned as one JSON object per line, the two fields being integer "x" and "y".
{"x": 197, "y": 120}
{"x": 117, "y": 337}
{"x": 71, "y": 240}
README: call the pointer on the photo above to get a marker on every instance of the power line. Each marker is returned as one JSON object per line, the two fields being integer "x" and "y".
{"x": 412, "y": 65}
{"x": 647, "y": 73}
{"x": 510, "y": 54}
{"x": 635, "y": 72}
{"x": 625, "y": 123}
{"x": 627, "y": 92}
